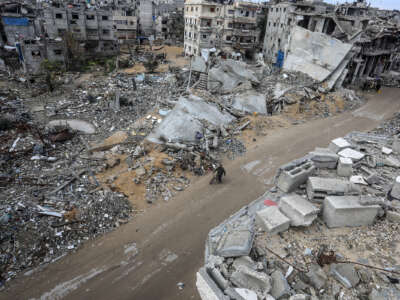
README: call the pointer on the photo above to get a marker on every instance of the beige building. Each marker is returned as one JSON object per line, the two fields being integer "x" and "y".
{"x": 230, "y": 28}
{"x": 125, "y": 24}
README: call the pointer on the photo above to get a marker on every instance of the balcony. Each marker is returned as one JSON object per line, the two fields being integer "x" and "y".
{"x": 245, "y": 20}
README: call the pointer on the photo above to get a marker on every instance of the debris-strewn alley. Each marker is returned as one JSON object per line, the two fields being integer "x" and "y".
{"x": 166, "y": 245}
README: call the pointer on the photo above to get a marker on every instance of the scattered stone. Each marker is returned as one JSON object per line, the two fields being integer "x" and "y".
{"x": 346, "y": 274}
{"x": 280, "y": 287}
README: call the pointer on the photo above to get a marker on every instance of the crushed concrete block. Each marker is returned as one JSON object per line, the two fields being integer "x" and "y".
{"x": 272, "y": 220}
{"x": 346, "y": 274}
{"x": 316, "y": 276}
{"x": 250, "y": 102}
{"x": 391, "y": 161}
{"x": 300, "y": 211}
{"x": 235, "y": 243}
{"x": 324, "y": 158}
{"x": 280, "y": 287}
{"x": 244, "y": 261}
{"x": 346, "y": 211}
{"x": 351, "y": 153}
{"x": 207, "y": 288}
{"x": 292, "y": 176}
{"x": 345, "y": 167}
{"x": 318, "y": 188}
{"x": 393, "y": 216}
{"x": 339, "y": 144}
{"x": 252, "y": 280}
{"x": 395, "y": 193}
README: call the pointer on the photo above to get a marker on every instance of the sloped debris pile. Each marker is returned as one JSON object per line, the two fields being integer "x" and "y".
{"x": 314, "y": 234}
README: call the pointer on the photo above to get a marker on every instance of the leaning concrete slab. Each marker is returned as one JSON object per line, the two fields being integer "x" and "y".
{"x": 250, "y": 102}
{"x": 300, "y": 211}
{"x": 272, "y": 220}
{"x": 315, "y": 54}
{"x": 318, "y": 188}
{"x": 346, "y": 211}
{"x": 199, "y": 64}
{"x": 293, "y": 175}
{"x": 182, "y": 123}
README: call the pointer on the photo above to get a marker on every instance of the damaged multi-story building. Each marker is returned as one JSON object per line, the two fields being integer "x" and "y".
{"x": 297, "y": 31}
{"x": 230, "y": 26}
{"x": 169, "y": 23}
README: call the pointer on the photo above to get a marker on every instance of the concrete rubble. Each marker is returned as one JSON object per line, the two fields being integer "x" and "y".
{"x": 314, "y": 256}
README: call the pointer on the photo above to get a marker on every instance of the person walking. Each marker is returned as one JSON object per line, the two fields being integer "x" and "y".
{"x": 220, "y": 171}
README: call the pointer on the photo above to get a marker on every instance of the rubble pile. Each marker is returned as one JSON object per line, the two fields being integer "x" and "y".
{"x": 314, "y": 235}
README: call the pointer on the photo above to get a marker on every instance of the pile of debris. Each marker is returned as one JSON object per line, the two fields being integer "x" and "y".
{"x": 314, "y": 234}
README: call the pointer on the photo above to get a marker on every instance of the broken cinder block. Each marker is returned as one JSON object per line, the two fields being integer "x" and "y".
{"x": 324, "y": 158}
{"x": 345, "y": 167}
{"x": 272, "y": 220}
{"x": 347, "y": 211}
{"x": 338, "y": 144}
{"x": 292, "y": 176}
{"x": 318, "y": 188}
{"x": 300, "y": 211}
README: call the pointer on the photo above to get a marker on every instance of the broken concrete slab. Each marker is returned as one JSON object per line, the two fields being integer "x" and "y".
{"x": 235, "y": 243}
{"x": 229, "y": 75}
{"x": 346, "y": 211}
{"x": 300, "y": 211}
{"x": 250, "y": 102}
{"x": 315, "y": 54}
{"x": 346, "y": 274}
{"x": 280, "y": 287}
{"x": 272, "y": 220}
{"x": 74, "y": 124}
{"x": 324, "y": 158}
{"x": 207, "y": 288}
{"x": 246, "y": 294}
{"x": 244, "y": 261}
{"x": 351, "y": 153}
{"x": 252, "y": 280}
{"x": 292, "y": 176}
{"x": 339, "y": 144}
{"x": 182, "y": 123}
{"x": 345, "y": 167}
{"x": 318, "y": 188}
{"x": 199, "y": 64}
{"x": 391, "y": 161}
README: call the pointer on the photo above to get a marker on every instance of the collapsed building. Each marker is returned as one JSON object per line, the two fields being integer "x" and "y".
{"x": 231, "y": 27}
{"x": 369, "y": 44}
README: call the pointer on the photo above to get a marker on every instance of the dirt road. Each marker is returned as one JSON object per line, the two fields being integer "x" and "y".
{"x": 146, "y": 258}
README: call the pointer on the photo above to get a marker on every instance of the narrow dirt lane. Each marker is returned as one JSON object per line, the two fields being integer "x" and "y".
{"x": 170, "y": 237}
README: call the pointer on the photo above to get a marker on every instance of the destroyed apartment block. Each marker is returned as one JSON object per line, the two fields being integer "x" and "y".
{"x": 328, "y": 201}
{"x": 354, "y": 46}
